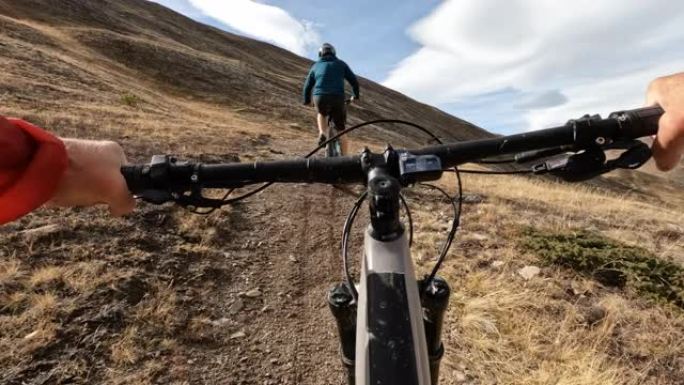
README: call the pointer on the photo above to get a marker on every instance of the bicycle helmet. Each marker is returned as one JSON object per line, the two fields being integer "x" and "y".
{"x": 326, "y": 49}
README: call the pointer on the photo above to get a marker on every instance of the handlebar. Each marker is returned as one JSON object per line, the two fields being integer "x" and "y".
{"x": 589, "y": 132}
{"x": 640, "y": 122}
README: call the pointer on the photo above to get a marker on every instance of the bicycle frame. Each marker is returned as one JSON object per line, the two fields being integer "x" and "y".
{"x": 391, "y": 345}
{"x": 390, "y": 336}
{"x": 392, "y": 333}
{"x": 333, "y": 148}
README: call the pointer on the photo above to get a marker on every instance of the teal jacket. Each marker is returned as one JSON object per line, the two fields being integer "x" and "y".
{"x": 327, "y": 76}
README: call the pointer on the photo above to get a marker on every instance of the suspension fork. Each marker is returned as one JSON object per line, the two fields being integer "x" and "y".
{"x": 399, "y": 340}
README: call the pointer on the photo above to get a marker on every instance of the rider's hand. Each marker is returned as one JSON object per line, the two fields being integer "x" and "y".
{"x": 668, "y": 92}
{"x": 94, "y": 177}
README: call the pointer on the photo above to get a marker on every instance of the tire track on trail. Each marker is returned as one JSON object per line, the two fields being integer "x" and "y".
{"x": 287, "y": 334}
{"x": 292, "y": 339}
{"x": 316, "y": 359}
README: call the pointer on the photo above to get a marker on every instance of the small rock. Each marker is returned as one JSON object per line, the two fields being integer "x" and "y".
{"x": 674, "y": 228}
{"x": 31, "y": 335}
{"x": 497, "y": 264}
{"x": 478, "y": 237}
{"x": 458, "y": 376}
{"x": 529, "y": 272}
{"x": 265, "y": 309}
{"x": 595, "y": 314}
{"x": 237, "y": 335}
{"x": 254, "y": 293}
{"x": 236, "y": 306}
{"x": 220, "y": 321}
{"x": 472, "y": 198}
{"x": 274, "y": 361}
{"x": 42, "y": 231}
{"x": 292, "y": 259}
{"x": 576, "y": 289}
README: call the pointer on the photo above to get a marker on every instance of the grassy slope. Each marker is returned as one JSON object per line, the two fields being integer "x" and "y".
{"x": 99, "y": 300}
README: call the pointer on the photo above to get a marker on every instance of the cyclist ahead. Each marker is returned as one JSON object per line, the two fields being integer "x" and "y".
{"x": 326, "y": 82}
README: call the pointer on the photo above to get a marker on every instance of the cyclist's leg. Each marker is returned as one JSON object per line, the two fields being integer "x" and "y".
{"x": 321, "y": 117}
{"x": 339, "y": 116}
{"x": 322, "y": 124}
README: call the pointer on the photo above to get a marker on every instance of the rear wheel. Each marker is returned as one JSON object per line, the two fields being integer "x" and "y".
{"x": 333, "y": 148}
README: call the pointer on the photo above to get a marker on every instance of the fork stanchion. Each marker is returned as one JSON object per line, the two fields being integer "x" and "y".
{"x": 434, "y": 301}
{"x": 343, "y": 308}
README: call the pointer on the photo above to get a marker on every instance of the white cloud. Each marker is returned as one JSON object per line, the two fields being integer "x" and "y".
{"x": 589, "y": 56}
{"x": 262, "y": 21}
{"x": 180, "y": 6}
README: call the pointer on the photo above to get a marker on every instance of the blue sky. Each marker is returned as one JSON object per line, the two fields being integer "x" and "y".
{"x": 507, "y": 66}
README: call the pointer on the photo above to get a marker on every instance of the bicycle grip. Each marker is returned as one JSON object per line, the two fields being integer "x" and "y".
{"x": 639, "y": 122}
{"x": 135, "y": 180}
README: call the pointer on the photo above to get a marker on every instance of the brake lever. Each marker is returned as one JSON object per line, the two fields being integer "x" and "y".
{"x": 191, "y": 200}
{"x": 592, "y": 162}
{"x": 156, "y": 197}
{"x": 196, "y": 200}
{"x": 575, "y": 167}
{"x": 633, "y": 158}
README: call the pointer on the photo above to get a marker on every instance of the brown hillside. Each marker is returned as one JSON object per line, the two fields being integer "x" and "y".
{"x": 237, "y": 297}
{"x": 171, "y": 53}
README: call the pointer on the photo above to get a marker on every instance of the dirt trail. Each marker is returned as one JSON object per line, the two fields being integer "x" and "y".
{"x": 290, "y": 335}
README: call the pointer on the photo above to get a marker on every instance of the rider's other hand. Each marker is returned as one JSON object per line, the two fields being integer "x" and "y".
{"x": 668, "y": 92}
{"x": 94, "y": 177}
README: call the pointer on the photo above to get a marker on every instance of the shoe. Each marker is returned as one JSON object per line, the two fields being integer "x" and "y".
{"x": 321, "y": 139}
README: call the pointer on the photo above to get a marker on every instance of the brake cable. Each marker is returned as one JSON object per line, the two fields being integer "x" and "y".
{"x": 452, "y": 232}
{"x": 345, "y": 246}
{"x": 346, "y": 232}
{"x": 491, "y": 172}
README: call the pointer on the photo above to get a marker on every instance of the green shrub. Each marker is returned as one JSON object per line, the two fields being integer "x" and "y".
{"x": 130, "y": 100}
{"x": 592, "y": 254}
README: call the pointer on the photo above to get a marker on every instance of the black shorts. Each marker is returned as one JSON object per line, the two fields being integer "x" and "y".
{"x": 334, "y": 107}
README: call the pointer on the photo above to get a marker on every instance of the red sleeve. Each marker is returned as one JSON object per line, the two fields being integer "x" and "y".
{"x": 32, "y": 163}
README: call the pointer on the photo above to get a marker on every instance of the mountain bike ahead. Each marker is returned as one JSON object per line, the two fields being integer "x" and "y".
{"x": 334, "y": 147}
{"x": 390, "y": 326}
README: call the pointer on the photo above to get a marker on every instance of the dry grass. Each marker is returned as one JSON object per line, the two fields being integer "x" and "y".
{"x": 504, "y": 329}
{"x": 126, "y": 350}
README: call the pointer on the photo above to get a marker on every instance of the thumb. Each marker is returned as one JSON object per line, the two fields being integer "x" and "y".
{"x": 122, "y": 202}
{"x": 669, "y": 143}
